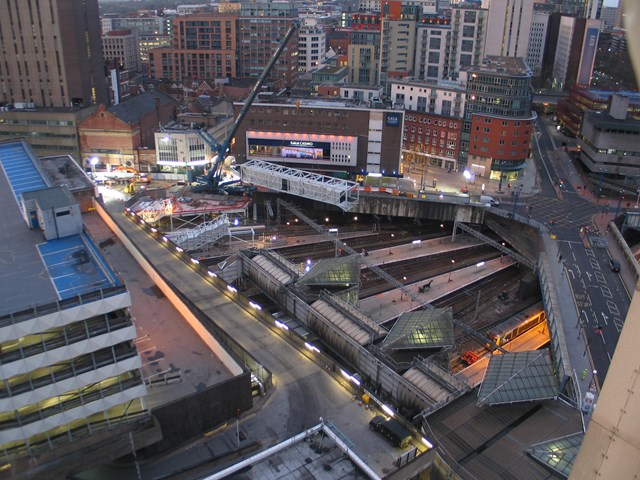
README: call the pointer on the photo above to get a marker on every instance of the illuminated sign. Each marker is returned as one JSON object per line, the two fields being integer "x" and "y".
{"x": 299, "y": 143}
{"x": 393, "y": 119}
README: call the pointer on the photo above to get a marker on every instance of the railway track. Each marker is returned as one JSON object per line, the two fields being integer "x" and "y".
{"x": 416, "y": 269}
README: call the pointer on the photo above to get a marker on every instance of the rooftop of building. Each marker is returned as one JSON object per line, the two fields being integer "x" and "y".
{"x": 604, "y": 95}
{"x": 605, "y": 121}
{"x": 62, "y": 170}
{"x": 136, "y": 107}
{"x": 34, "y": 271}
{"x": 502, "y": 65}
{"x": 440, "y": 84}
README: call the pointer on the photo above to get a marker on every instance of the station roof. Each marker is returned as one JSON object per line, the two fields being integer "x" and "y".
{"x": 558, "y": 454}
{"x": 479, "y": 439}
{"x": 518, "y": 377}
{"x": 274, "y": 270}
{"x": 345, "y": 318}
{"x": 422, "y": 329}
{"x": 333, "y": 272}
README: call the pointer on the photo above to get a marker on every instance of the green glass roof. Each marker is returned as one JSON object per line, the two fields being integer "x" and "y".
{"x": 333, "y": 272}
{"x": 558, "y": 454}
{"x": 518, "y": 377}
{"x": 422, "y": 329}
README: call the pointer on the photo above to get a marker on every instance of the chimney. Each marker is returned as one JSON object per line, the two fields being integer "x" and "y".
{"x": 619, "y": 106}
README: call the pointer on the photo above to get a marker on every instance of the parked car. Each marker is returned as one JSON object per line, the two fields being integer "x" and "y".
{"x": 392, "y": 430}
{"x": 614, "y": 265}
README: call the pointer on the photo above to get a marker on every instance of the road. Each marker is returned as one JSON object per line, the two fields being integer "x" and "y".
{"x": 600, "y": 297}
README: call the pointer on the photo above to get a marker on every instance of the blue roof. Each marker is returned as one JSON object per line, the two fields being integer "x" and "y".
{"x": 20, "y": 169}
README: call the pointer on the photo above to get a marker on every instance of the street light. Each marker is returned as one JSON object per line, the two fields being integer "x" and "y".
{"x": 334, "y": 231}
{"x": 93, "y": 161}
{"x": 593, "y": 378}
{"x": 450, "y": 269}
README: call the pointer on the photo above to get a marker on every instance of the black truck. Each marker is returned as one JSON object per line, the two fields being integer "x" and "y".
{"x": 392, "y": 430}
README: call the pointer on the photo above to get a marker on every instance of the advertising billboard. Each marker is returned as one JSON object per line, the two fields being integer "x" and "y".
{"x": 589, "y": 49}
{"x": 286, "y": 148}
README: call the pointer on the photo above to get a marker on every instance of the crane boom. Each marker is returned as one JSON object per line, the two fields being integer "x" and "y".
{"x": 212, "y": 180}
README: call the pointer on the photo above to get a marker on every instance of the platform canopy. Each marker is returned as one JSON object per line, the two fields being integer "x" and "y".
{"x": 518, "y": 377}
{"x": 331, "y": 190}
{"x": 422, "y": 329}
{"x": 333, "y": 272}
{"x": 558, "y": 454}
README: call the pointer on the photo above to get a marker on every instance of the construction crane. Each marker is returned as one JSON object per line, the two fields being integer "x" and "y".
{"x": 212, "y": 181}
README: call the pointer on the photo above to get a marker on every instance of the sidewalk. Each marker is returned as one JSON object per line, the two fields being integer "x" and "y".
{"x": 453, "y": 182}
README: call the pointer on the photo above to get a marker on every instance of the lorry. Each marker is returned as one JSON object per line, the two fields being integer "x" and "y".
{"x": 392, "y": 430}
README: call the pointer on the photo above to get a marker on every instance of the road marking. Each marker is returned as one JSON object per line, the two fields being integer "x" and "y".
{"x": 594, "y": 264}
{"x": 605, "y": 318}
{"x": 588, "y": 276}
{"x": 590, "y": 253}
{"x": 572, "y": 274}
{"x": 605, "y": 291}
{"x": 600, "y": 277}
{"x": 618, "y": 323}
{"x": 613, "y": 308}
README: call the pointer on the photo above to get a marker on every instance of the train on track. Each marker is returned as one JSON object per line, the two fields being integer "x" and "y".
{"x": 516, "y": 326}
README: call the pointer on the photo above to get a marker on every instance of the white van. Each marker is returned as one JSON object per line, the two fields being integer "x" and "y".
{"x": 489, "y": 200}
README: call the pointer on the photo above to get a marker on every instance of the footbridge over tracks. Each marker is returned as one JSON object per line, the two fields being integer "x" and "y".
{"x": 334, "y": 191}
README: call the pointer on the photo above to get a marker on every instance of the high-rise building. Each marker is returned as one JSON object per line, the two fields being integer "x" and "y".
{"x": 398, "y": 40}
{"x": 204, "y": 48}
{"x": 261, "y": 27}
{"x": 508, "y": 25}
{"x": 577, "y": 8}
{"x": 498, "y": 120}
{"x": 312, "y": 46}
{"x": 537, "y": 41}
{"x": 142, "y": 24}
{"x": 609, "y": 17}
{"x": 51, "y": 53}
{"x": 122, "y": 47}
{"x": 364, "y": 49}
{"x": 466, "y": 44}
{"x": 575, "y": 52}
{"x": 431, "y": 42}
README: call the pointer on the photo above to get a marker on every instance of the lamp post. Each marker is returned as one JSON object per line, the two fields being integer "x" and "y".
{"x": 593, "y": 378}
{"x": 467, "y": 176}
{"x": 619, "y": 203}
{"x": 451, "y": 269}
{"x": 93, "y": 161}
{"x": 500, "y": 182}
{"x": 335, "y": 231}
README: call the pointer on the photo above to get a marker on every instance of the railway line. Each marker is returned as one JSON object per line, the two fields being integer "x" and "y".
{"x": 416, "y": 269}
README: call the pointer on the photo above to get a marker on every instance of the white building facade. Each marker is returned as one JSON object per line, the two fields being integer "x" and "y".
{"x": 312, "y": 46}
{"x": 508, "y": 27}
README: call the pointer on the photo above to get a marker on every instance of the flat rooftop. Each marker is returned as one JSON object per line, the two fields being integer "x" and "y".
{"x": 34, "y": 271}
{"x": 62, "y": 170}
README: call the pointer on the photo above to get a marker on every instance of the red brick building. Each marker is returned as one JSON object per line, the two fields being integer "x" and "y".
{"x": 503, "y": 139}
{"x": 124, "y": 134}
{"x": 204, "y": 48}
{"x": 431, "y": 139}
